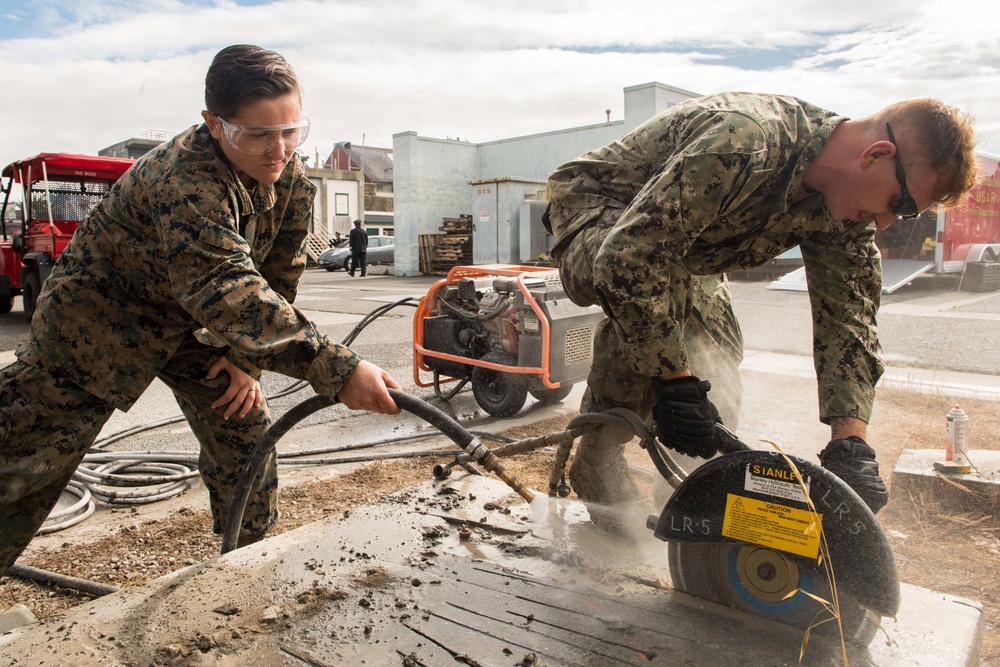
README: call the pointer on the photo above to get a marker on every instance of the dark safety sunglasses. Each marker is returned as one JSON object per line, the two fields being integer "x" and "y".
{"x": 903, "y": 205}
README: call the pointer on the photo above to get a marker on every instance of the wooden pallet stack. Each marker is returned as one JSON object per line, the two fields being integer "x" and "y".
{"x": 452, "y": 247}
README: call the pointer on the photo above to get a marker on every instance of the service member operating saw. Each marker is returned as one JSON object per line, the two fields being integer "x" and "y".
{"x": 646, "y": 226}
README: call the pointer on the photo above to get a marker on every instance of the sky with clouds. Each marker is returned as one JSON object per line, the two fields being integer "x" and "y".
{"x": 79, "y": 76}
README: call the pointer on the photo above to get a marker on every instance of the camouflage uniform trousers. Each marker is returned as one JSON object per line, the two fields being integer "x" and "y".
{"x": 47, "y": 424}
{"x": 599, "y": 473}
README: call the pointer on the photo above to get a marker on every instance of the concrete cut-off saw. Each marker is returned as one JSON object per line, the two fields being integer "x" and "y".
{"x": 754, "y": 530}
{"x": 766, "y": 533}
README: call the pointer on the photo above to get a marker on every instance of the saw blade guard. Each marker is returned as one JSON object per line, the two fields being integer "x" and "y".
{"x": 755, "y": 497}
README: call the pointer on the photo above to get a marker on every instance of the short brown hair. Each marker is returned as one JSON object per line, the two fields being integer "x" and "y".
{"x": 244, "y": 73}
{"x": 945, "y": 142}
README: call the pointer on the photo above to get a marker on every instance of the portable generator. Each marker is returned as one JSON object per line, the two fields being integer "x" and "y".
{"x": 509, "y": 330}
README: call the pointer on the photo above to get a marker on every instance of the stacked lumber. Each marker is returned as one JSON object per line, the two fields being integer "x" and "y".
{"x": 452, "y": 247}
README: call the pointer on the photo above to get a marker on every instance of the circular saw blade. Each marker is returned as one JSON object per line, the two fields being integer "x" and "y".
{"x": 764, "y": 582}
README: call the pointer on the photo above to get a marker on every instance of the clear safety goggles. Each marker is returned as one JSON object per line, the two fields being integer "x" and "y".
{"x": 258, "y": 140}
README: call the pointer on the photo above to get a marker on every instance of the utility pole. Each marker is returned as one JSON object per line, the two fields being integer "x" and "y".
{"x": 364, "y": 186}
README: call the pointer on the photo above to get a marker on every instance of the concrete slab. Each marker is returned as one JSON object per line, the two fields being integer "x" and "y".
{"x": 15, "y": 617}
{"x": 978, "y": 490}
{"x": 396, "y": 583}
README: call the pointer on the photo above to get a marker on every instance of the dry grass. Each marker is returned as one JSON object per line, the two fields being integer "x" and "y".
{"x": 954, "y": 553}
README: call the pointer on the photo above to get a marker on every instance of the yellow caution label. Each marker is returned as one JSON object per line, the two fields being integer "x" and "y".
{"x": 772, "y": 525}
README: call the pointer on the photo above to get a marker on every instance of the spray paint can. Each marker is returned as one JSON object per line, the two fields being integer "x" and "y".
{"x": 957, "y": 443}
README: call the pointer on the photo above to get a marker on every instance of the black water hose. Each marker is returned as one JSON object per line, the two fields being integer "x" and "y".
{"x": 725, "y": 440}
{"x": 389, "y": 456}
{"x": 478, "y": 452}
{"x": 260, "y": 452}
{"x": 587, "y": 421}
{"x": 410, "y": 301}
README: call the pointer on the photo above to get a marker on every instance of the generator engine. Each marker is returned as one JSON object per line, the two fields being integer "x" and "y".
{"x": 473, "y": 318}
{"x": 508, "y": 336}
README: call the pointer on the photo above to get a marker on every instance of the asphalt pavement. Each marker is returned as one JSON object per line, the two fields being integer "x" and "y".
{"x": 933, "y": 335}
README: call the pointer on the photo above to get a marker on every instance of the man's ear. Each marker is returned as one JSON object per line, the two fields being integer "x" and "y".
{"x": 876, "y": 151}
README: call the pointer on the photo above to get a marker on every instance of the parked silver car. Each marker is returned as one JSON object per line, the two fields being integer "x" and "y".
{"x": 381, "y": 250}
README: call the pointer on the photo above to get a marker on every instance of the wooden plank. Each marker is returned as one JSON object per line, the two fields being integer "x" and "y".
{"x": 427, "y": 244}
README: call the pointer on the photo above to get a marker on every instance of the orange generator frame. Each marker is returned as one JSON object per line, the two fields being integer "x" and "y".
{"x": 510, "y": 330}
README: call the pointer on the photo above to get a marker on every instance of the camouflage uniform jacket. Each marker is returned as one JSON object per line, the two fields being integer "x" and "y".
{"x": 179, "y": 244}
{"x": 713, "y": 185}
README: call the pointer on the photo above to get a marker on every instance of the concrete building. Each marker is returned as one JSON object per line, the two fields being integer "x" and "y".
{"x": 498, "y": 182}
{"x": 136, "y": 147}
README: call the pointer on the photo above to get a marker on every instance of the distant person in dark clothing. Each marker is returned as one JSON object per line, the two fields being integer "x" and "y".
{"x": 359, "y": 248}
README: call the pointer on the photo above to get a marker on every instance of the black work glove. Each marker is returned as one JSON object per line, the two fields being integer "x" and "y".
{"x": 685, "y": 418}
{"x": 853, "y": 460}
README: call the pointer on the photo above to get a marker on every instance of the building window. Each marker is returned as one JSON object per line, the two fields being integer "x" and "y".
{"x": 341, "y": 204}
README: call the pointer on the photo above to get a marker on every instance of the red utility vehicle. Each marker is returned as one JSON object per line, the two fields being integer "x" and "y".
{"x": 58, "y": 190}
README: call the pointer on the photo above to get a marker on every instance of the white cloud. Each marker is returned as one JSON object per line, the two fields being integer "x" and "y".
{"x": 99, "y": 72}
